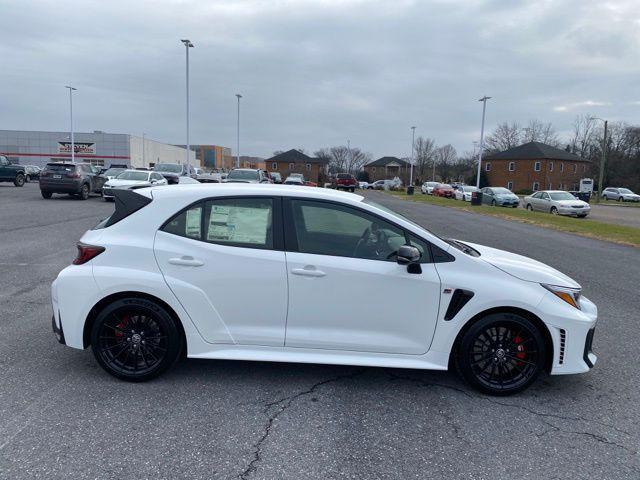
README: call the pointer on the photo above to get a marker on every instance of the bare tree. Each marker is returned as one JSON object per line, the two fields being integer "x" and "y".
{"x": 343, "y": 159}
{"x": 425, "y": 157}
{"x": 505, "y": 136}
{"x": 582, "y": 138}
{"x": 446, "y": 157}
{"x": 537, "y": 131}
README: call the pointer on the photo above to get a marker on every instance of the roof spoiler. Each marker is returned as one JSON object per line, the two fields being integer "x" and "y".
{"x": 127, "y": 202}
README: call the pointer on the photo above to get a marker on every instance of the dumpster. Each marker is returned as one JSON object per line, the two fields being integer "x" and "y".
{"x": 584, "y": 196}
{"x": 410, "y": 190}
{"x": 476, "y": 198}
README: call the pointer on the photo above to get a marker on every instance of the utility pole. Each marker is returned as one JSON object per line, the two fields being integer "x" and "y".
{"x": 144, "y": 164}
{"x": 188, "y": 45}
{"x": 484, "y": 109}
{"x": 238, "y": 134}
{"x": 413, "y": 144}
{"x": 603, "y": 161}
{"x": 73, "y": 144}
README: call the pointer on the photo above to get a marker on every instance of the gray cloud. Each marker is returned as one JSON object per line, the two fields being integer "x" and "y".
{"x": 314, "y": 73}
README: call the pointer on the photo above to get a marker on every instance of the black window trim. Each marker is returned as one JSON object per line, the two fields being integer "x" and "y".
{"x": 278, "y": 231}
{"x": 291, "y": 240}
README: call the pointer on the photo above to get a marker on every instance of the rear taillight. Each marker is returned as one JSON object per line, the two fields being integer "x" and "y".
{"x": 74, "y": 175}
{"x": 86, "y": 253}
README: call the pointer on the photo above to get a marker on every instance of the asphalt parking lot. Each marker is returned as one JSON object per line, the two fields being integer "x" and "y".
{"x": 61, "y": 416}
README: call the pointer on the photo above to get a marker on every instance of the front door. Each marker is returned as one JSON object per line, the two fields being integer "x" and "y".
{"x": 346, "y": 291}
{"x": 222, "y": 262}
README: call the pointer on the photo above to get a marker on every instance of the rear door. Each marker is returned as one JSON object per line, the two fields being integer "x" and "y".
{"x": 223, "y": 259}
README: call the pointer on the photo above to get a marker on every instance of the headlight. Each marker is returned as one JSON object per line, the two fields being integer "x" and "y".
{"x": 569, "y": 295}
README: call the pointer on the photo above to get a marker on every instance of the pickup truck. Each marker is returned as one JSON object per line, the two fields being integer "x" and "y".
{"x": 345, "y": 181}
{"x": 11, "y": 173}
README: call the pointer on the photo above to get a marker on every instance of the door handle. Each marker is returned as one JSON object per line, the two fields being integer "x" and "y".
{"x": 186, "y": 261}
{"x": 308, "y": 271}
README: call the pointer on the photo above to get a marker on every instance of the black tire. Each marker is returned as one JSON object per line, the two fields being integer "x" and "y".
{"x": 553, "y": 211}
{"x": 135, "y": 339}
{"x": 501, "y": 354}
{"x": 493, "y": 203}
{"x": 19, "y": 180}
{"x": 46, "y": 194}
{"x": 84, "y": 192}
{"x": 529, "y": 207}
{"x": 620, "y": 199}
{"x": 352, "y": 189}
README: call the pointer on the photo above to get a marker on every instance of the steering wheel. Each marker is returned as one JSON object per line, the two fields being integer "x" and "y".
{"x": 364, "y": 240}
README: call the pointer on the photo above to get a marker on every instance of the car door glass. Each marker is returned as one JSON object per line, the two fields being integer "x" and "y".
{"x": 544, "y": 196}
{"x": 328, "y": 229}
{"x": 423, "y": 248}
{"x": 242, "y": 222}
{"x": 186, "y": 223}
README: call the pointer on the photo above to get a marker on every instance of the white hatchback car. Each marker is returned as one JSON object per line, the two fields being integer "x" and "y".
{"x": 278, "y": 273}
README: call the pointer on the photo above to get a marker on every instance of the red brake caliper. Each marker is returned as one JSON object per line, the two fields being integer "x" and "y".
{"x": 520, "y": 348}
{"x": 121, "y": 326}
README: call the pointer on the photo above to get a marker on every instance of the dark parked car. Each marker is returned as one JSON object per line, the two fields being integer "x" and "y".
{"x": 81, "y": 179}
{"x": 247, "y": 175}
{"x": 11, "y": 173}
{"x": 443, "y": 190}
{"x": 32, "y": 172}
{"x": 344, "y": 181}
{"x": 172, "y": 171}
{"x": 499, "y": 196}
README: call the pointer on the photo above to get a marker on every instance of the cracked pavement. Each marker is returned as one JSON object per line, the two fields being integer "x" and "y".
{"x": 61, "y": 416}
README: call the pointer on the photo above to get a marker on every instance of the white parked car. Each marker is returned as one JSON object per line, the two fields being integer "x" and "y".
{"x": 620, "y": 195}
{"x": 556, "y": 202}
{"x": 427, "y": 187}
{"x": 363, "y": 185}
{"x": 172, "y": 270}
{"x": 464, "y": 192}
{"x": 131, "y": 179}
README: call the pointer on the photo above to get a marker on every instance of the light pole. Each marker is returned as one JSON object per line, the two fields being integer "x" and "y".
{"x": 413, "y": 144}
{"x": 188, "y": 45}
{"x": 484, "y": 109}
{"x": 144, "y": 164}
{"x": 238, "y": 134}
{"x": 603, "y": 158}
{"x": 73, "y": 144}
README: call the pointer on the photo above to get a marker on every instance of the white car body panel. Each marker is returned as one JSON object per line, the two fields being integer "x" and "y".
{"x": 254, "y": 294}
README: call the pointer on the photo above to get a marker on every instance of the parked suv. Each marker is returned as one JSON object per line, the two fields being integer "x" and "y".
{"x": 11, "y": 173}
{"x": 173, "y": 171}
{"x": 247, "y": 175}
{"x": 620, "y": 195}
{"x": 81, "y": 179}
{"x": 344, "y": 181}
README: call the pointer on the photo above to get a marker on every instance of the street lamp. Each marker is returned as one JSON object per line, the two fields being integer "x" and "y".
{"x": 73, "y": 145}
{"x": 413, "y": 144}
{"x": 484, "y": 109}
{"x": 187, "y": 45}
{"x": 238, "y": 134}
{"x": 603, "y": 158}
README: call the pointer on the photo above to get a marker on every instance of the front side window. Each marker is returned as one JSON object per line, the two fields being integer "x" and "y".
{"x": 328, "y": 229}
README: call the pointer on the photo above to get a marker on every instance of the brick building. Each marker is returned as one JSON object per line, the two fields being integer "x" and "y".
{"x": 294, "y": 161}
{"x": 387, "y": 168}
{"x": 211, "y": 156}
{"x": 535, "y": 166}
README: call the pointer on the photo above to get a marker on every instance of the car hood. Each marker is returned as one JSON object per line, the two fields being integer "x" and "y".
{"x": 572, "y": 203}
{"x": 127, "y": 183}
{"x": 239, "y": 180}
{"x": 523, "y": 267}
{"x": 506, "y": 196}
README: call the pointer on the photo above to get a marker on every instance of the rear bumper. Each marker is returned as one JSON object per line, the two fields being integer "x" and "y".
{"x": 60, "y": 187}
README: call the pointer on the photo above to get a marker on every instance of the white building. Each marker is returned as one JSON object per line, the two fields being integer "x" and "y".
{"x": 99, "y": 148}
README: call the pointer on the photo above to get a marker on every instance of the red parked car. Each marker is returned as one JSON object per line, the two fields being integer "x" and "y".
{"x": 443, "y": 190}
{"x": 344, "y": 181}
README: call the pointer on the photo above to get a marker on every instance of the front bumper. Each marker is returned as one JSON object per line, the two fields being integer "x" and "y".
{"x": 574, "y": 211}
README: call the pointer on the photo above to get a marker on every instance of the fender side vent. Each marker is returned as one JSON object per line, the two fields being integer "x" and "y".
{"x": 563, "y": 340}
{"x": 458, "y": 300}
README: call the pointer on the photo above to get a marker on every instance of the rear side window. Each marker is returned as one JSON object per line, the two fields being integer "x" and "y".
{"x": 188, "y": 223}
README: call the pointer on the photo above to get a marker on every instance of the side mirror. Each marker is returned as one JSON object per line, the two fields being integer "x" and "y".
{"x": 407, "y": 254}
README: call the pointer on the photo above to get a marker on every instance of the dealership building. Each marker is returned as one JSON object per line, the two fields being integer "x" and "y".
{"x": 98, "y": 148}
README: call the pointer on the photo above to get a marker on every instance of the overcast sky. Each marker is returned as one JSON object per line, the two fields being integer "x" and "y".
{"x": 316, "y": 73}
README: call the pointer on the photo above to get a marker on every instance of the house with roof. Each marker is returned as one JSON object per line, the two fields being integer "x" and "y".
{"x": 387, "y": 168}
{"x": 535, "y": 166}
{"x": 294, "y": 161}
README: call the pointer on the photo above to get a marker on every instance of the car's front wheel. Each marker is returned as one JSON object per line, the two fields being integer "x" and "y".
{"x": 84, "y": 192}
{"x": 19, "y": 180}
{"x": 493, "y": 203}
{"x": 501, "y": 354}
{"x": 135, "y": 339}
{"x": 529, "y": 207}
{"x": 554, "y": 211}
{"x": 46, "y": 194}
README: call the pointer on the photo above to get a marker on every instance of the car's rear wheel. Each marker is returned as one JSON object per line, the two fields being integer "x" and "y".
{"x": 529, "y": 207}
{"x": 501, "y": 354}
{"x": 620, "y": 199}
{"x": 46, "y": 194}
{"x": 84, "y": 192}
{"x": 493, "y": 203}
{"x": 554, "y": 211}
{"x": 19, "y": 180}
{"x": 135, "y": 339}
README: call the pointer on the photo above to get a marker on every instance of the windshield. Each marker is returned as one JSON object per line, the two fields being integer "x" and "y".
{"x": 396, "y": 214}
{"x": 561, "y": 196}
{"x": 344, "y": 175}
{"x": 243, "y": 175}
{"x": 625, "y": 190}
{"x": 501, "y": 191}
{"x": 113, "y": 172}
{"x": 133, "y": 175}
{"x": 470, "y": 189}
{"x": 168, "y": 167}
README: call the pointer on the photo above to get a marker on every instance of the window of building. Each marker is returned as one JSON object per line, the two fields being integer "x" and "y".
{"x": 274, "y": 166}
{"x": 575, "y": 168}
{"x": 510, "y": 185}
{"x": 562, "y": 167}
{"x": 584, "y": 168}
{"x": 551, "y": 166}
{"x": 308, "y": 166}
{"x": 560, "y": 186}
{"x": 373, "y": 169}
{"x": 512, "y": 166}
{"x": 536, "y": 186}
{"x": 292, "y": 166}
{"x": 536, "y": 166}
{"x": 487, "y": 167}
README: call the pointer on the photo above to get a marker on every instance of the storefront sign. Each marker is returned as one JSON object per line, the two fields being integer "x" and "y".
{"x": 80, "y": 148}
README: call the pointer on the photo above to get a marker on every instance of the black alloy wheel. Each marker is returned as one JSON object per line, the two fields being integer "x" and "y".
{"x": 501, "y": 354}
{"x": 554, "y": 211}
{"x": 135, "y": 339}
{"x": 46, "y": 194}
{"x": 84, "y": 192}
{"x": 19, "y": 180}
